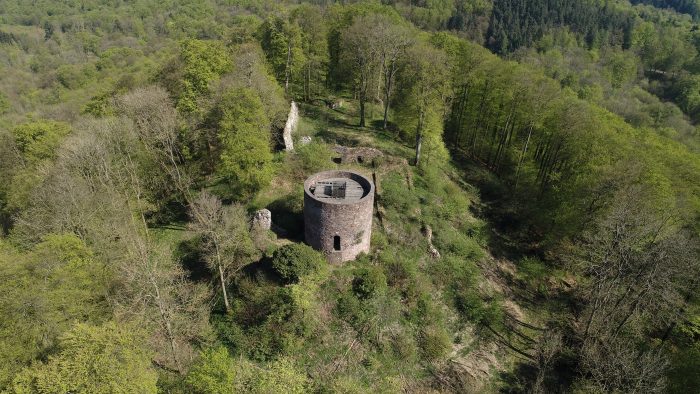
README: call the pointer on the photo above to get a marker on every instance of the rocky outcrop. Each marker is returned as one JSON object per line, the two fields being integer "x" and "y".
{"x": 262, "y": 219}
{"x": 432, "y": 250}
{"x": 290, "y": 127}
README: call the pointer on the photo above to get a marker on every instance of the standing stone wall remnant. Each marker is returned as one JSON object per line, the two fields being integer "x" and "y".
{"x": 290, "y": 127}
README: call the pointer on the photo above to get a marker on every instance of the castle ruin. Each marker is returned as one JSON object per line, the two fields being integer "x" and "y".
{"x": 338, "y": 209}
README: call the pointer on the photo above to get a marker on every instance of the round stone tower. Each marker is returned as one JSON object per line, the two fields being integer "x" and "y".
{"x": 338, "y": 208}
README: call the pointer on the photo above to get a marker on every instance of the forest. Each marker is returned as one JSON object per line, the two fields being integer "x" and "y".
{"x": 536, "y": 226}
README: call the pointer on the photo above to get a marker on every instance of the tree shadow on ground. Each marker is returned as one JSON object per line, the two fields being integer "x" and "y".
{"x": 189, "y": 253}
{"x": 288, "y": 218}
{"x": 338, "y": 138}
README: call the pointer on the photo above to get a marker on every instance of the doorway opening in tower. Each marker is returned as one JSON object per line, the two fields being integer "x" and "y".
{"x": 336, "y": 242}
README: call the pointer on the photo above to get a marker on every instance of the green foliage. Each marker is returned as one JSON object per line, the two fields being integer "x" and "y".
{"x": 94, "y": 359}
{"x": 217, "y": 373}
{"x": 244, "y": 135}
{"x": 37, "y": 144}
{"x": 44, "y": 292}
{"x": 684, "y": 374}
{"x": 401, "y": 272}
{"x": 294, "y": 261}
{"x": 534, "y": 272}
{"x": 352, "y": 310}
{"x": 605, "y": 98}
{"x": 202, "y": 62}
{"x": 280, "y": 376}
{"x": 691, "y": 7}
{"x": 117, "y": 57}
{"x": 368, "y": 282}
{"x": 461, "y": 278}
{"x": 281, "y": 41}
{"x": 512, "y": 25}
{"x": 266, "y": 320}
{"x": 314, "y": 45}
{"x": 39, "y": 140}
{"x": 450, "y": 240}
{"x": 74, "y": 77}
{"x": 313, "y": 157}
{"x": 423, "y": 81}
{"x": 621, "y": 69}
{"x": 99, "y": 106}
{"x": 213, "y": 373}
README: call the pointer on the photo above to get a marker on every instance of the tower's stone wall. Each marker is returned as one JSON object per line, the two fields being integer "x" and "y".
{"x": 351, "y": 220}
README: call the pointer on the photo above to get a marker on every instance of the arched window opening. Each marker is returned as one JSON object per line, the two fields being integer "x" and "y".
{"x": 336, "y": 242}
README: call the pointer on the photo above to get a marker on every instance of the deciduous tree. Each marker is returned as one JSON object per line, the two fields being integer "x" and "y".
{"x": 244, "y": 135}
{"x": 228, "y": 246}
{"x": 93, "y": 359}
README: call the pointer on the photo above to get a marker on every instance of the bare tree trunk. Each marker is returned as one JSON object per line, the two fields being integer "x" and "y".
{"x": 419, "y": 136}
{"x": 166, "y": 323}
{"x": 221, "y": 278}
{"x": 522, "y": 155}
{"x": 362, "y": 107}
{"x": 419, "y": 142}
{"x": 387, "y": 95}
{"x": 308, "y": 82}
{"x": 223, "y": 289}
{"x": 286, "y": 69}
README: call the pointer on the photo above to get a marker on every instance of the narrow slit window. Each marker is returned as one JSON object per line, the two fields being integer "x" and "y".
{"x": 336, "y": 242}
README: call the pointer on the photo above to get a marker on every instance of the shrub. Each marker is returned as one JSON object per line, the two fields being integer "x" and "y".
{"x": 271, "y": 322}
{"x": 293, "y": 261}
{"x": 434, "y": 342}
{"x": 229, "y": 332}
{"x": 368, "y": 282}
{"x": 350, "y": 309}
{"x": 313, "y": 157}
{"x": 401, "y": 272}
{"x": 214, "y": 372}
{"x": 281, "y": 376}
{"x": 403, "y": 346}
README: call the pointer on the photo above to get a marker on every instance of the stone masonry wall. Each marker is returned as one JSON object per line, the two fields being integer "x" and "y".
{"x": 351, "y": 220}
{"x": 290, "y": 126}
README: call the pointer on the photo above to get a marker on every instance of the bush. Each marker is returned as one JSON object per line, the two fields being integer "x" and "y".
{"x": 271, "y": 322}
{"x": 281, "y": 376}
{"x": 314, "y": 157}
{"x": 403, "y": 346}
{"x": 434, "y": 342}
{"x": 293, "y": 261}
{"x": 368, "y": 282}
{"x": 350, "y": 309}
{"x": 214, "y": 372}
{"x": 401, "y": 272}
